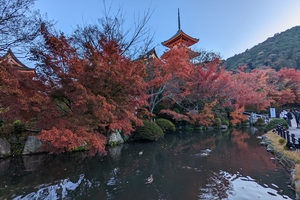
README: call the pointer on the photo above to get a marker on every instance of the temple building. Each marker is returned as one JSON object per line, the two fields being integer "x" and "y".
{"x": 16, "y": 63}
{"x": 149, "y": 55}
{"x": 183, "y": 39}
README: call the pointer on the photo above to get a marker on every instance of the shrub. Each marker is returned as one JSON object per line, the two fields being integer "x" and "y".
{"x": 150, "y": 131}
{"x": 260, "y": 121}
{"x": 166, "y": 125}
{"x": 274, "y": 123}
{"x": 226, "y": 122}
{"x": 189, "y": 128}
{"x": 114, "y": 143}
{"x": 281, "y": 141}
{"x": 176, "y": 110}
{"x": 217, "y": 122}
{"x": 18, "y": 127}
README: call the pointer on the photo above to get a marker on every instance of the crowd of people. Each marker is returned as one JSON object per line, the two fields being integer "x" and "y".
{"x": 288, "y": 115}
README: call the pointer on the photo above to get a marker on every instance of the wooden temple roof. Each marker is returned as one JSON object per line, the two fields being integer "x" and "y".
{"x": 149, "y": 55}
{"x": 180, "y": 38}
{"x": 16, "y": 63}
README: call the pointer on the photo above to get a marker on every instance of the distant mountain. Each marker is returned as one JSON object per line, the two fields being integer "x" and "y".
{"x": 281, "y": 50}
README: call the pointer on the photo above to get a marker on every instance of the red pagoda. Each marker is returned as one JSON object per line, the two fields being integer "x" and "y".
{"x": 181, "y": 38}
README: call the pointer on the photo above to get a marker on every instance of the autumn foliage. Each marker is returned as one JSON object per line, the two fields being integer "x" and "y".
{"x": 61, "y": 140}
{"x": 19, "y": 95}
{"x": 204, "y": 89}
{"x": 167, "y": 77}
{"x": 98, "y": 92}
{"x": 79, "y": 95}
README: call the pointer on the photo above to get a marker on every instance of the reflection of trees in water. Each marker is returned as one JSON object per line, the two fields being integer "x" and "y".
{"x": 202, "y": 140}
{"x": 223, "y": 185}
{"x": 239, "y": 138}
{"x": 61, "y": 189}
{"x": 218, "y": 186}
{"x": 26, "y": 174}
{"x": 238, "y": 151}
{"x": 67, "y": 188}
{"x": 113, "y": 183}
{"x": 173, "y": 163}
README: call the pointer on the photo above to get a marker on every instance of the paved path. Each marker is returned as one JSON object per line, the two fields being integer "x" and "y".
{"x": 294, "y": 128}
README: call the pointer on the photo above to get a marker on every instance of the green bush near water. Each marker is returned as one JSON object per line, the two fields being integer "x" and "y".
{"x": 150, "y": 131}
{"x": 226, "y": 122}
{"x": 166, "y": 125}
{"x": 217, "y": 122}
{"x": 274, "y": 123}
{"x": 18, "y": 127}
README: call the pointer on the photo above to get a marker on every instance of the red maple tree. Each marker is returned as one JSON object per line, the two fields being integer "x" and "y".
{"x": 96, "y": 93}
{"x": 20, "y": 96}
{"x": 167, "y": 77}
{"x": 289, "y": 85}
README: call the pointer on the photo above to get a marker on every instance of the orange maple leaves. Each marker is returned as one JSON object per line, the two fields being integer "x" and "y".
{"x": 82, "y": 95}
{"x": 61, "y": 140}
{"x": 95, "y": 91}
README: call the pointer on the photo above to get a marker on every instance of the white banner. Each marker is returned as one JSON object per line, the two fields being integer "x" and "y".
{"x": 272, "y": 112}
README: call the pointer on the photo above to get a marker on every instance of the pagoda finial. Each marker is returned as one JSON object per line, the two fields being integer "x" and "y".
{"x": 179, "y": 20}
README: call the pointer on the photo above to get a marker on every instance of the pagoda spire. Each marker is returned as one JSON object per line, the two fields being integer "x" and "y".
{"x": 180, "y": 38}
{"x": 179, "y": 28}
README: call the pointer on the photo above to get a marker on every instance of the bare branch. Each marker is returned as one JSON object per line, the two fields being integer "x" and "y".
{"x": 19, "y": 25}
{"x": 133, "y": 41}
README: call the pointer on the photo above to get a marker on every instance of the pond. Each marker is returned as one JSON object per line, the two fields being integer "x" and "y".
{"x": 235, "y": 167}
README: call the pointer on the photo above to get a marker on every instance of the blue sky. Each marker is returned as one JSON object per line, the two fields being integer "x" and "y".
{"x": 228, "y": 27}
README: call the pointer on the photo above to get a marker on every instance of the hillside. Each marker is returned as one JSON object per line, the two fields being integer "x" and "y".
{"x": 281, "y": 50}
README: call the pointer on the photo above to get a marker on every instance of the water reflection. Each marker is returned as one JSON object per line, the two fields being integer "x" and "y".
{"x": 224, "y": 185}
{"x": 59, "y": 190}
{"x": 185, "y": 165}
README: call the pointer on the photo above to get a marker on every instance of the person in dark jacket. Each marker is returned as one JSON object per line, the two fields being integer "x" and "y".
{"x": 289, "y": 117}
{"x": 297, "y": 117}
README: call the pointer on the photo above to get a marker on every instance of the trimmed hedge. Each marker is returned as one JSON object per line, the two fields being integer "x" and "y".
{"x": 274, "y": 123}
{"x": 166, "y": 125}
{"x": 150, "y": 131}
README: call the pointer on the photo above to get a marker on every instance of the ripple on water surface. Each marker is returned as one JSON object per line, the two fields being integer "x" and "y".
{"x": 238, "y": 188}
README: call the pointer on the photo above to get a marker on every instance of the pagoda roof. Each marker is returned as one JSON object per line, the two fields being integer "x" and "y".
{"x": 150, "y": 55}
{"x": 180, "y": 37}
{"x": 15, "y": 62}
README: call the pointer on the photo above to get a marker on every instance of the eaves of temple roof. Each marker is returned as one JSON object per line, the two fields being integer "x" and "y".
{"x": 15, "y": 62}
{"x": 180, "y": 37}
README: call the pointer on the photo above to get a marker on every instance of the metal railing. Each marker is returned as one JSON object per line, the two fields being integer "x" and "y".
{"x": 292, "y": 143}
